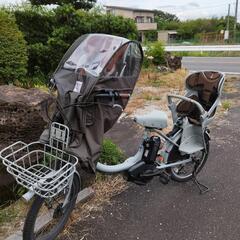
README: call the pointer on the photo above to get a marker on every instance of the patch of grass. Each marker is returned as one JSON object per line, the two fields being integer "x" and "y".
{"x": 157, "y": 79}
{"x": 156, "y": 98}
{"x": 150, "y": 96}
{"x": 226, "y": 105}
{"x": 230, "y": 84}
{"x": 18, "y": 191}
{"x": 7, "y": 214}
{"x": 42, "y": 87}
{"x": 207, "y": 54}
{"x": 111, "y": 154}
{"x": 11, "y": 217}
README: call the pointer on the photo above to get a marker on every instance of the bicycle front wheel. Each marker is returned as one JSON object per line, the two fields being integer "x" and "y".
{"x": 51, "y": 211}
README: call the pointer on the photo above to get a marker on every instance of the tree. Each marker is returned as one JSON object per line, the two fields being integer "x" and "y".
{"x": 190, "y": 28}
{"x": 13, "y": 51}
{"x": 163, "y": 19}
{"x": 165, "y": 16}
{"x": 50, "y": 32}
{"x": 78, "y": 4}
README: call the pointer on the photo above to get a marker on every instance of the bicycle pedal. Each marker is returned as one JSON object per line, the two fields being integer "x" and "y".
{"x": 137, "y": 180}
{"x": 151, "y": 173}
{"x": 164, "y": 178}
{"x": 140, "y": 182}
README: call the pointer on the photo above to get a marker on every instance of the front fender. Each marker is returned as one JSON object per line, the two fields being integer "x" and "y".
{"x": 78, "y": 180}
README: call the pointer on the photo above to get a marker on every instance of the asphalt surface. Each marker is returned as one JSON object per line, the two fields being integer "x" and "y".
{"x": 177, "y": 210}
{"x": 223, "y": 64}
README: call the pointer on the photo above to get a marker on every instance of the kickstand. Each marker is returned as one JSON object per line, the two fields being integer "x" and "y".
{"x": 202, "y": 188}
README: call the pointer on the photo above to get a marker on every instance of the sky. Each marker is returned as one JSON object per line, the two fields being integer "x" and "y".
{"x": 184, "y": 9}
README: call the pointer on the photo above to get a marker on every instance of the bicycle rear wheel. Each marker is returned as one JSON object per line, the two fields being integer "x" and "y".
{"x": 184, "y": 173}
{"x": 43, "y": 210}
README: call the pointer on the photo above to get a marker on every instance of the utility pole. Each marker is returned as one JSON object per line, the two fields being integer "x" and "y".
{"x": 228, "y": 19}
{"x": 235, "y": 23}
{"x": 226, "y": 33}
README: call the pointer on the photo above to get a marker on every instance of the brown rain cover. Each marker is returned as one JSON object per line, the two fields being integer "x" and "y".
{"x": 114, "y": 63}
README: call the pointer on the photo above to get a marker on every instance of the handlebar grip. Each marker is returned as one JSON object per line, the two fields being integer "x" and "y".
{"x": 124, "y": 95}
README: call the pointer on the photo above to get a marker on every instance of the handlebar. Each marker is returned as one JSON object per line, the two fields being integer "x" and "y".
{"x": 115, "y": 95}
{"x": 199, "y": 106}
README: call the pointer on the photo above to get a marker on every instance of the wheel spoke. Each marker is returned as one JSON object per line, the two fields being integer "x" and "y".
{"x": 186, "y": 170}
{"x": 46, "y": 219}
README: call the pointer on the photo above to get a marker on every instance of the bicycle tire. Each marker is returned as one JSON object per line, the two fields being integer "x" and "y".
{"x": 30, "y": 221}
{"x": 176, "y": 178}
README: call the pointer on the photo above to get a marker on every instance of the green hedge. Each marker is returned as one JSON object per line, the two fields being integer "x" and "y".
{"x": 13, "y": 51}
{"x": 49, "y": 33}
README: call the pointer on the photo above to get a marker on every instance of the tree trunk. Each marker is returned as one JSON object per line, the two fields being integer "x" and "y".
{"x": 173, "y": 62}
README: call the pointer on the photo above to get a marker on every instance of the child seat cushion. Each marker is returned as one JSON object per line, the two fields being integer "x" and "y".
{"x": 205, "y": 84}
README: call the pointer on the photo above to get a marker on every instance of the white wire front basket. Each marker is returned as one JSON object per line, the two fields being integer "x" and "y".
{"x": 45, "y": 169}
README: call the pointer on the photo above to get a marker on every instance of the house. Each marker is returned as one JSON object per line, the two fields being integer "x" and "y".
{"x": 167, "y": 36}
{"x": 144, "y": 18}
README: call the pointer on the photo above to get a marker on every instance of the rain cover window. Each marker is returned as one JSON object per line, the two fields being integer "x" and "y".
{"x": 93, "y": 80}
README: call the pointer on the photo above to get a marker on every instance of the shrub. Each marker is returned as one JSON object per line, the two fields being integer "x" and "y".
{"x": 111, "y": 154}
{"x": 30, "y": 19}
{"x": 156, "y": 50}
{"x": 151, "y": 35}
{"x": 13, "y": 51}
{"x": 60, "y": 27}
{"x": 78, "y": 4}
{"x": 146, "y": 62}
{"x": 36, "y": 23}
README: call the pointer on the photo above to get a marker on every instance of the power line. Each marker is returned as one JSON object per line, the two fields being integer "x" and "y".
{"x": 197, "y": 8}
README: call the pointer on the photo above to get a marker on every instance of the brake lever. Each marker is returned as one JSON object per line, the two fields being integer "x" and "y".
{"x": 117, "y": 105}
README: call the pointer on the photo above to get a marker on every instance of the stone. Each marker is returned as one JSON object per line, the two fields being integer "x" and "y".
{"x": 22, "y": 114}
{"x": 173, "y": 62}
{"x": 22, "y": 118}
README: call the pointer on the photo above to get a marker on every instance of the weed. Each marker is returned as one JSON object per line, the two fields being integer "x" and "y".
{"x": 111, "y": 154}
{"x": 157, "y": 79}
{"x": 150, "y": 96}
{"x": 18, "y": 191}
{"x": 226, "y": 105}
{"x": 7, "y": 214}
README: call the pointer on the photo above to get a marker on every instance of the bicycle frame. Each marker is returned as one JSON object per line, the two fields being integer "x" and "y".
{"x": 131, "y": 161}
{"x": 189, "y": 133}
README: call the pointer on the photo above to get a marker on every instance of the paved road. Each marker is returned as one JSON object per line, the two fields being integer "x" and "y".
{"x": 224, "y": 64}
{"x": 177, "y": 211}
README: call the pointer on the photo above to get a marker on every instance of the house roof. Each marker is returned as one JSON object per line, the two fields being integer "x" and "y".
{"x": 130, "y": 9}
